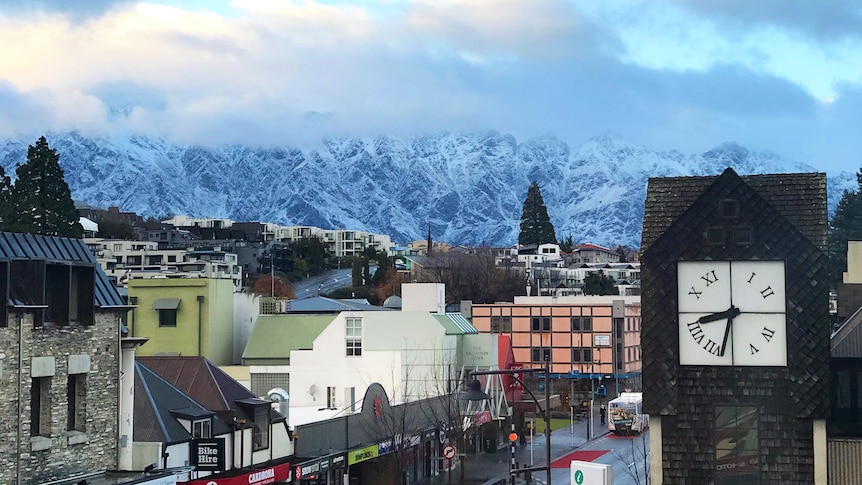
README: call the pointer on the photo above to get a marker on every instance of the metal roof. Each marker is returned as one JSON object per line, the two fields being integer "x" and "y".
{"x": 17, "y": 246}
{"x": 456, "y": 324}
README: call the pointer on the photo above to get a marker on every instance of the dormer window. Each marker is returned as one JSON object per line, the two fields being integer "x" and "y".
{"x": 202, "y": 428}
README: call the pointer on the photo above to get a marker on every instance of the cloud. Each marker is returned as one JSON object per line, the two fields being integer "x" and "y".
{"x": 527, "y": 68}
{"x": 77, "y": 10}
{"x": 823, "y": 19}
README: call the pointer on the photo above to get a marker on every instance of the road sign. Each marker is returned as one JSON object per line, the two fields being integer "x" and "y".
{"x": 587, "y": 473}
{"x": 449, "y": 452}
{"x": 513, "y": 437}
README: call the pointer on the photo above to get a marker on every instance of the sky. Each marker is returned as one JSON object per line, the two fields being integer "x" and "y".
{"x": 782, "y": 77}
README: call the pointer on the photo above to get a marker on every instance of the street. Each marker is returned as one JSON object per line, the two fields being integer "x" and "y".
{"x": 322, "y": 283}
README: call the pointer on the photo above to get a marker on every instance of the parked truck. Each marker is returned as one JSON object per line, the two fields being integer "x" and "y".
{"x": 625, "y": 414}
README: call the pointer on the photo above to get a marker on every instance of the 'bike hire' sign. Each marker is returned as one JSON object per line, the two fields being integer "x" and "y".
{"x": 208, "y": 454}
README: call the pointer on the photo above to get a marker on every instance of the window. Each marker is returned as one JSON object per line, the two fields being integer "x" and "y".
{"x": 167, "y": 318}
{"x": 76, "y": 397}
{"x": 736, "y": 445}
{"x": 582, "y": 355}
{"x": 202, "y": 428}
{"x": 540, "y": 354}
{"x": 540, "y": 324}
{"x": 40, "y": 406}
{"x": 501, "y": 324}
{"x": 353, "y": 335}
{"x": 330, "y": 397}
{"x": 260, "y": 434}
{"x": 582, "y": 324}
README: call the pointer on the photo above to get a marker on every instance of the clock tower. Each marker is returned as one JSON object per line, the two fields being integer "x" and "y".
{"x": 735, "y": 335}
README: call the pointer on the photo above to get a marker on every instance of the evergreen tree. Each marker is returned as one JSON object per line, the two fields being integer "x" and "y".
{"x": 43, "y": 197}
{"x": 598, "y": 283}
{"x": 8, "y": 208}
{"x": 567, "y": 244}
{"x": 846, "y": 225}
{"x": 536, "y": 227}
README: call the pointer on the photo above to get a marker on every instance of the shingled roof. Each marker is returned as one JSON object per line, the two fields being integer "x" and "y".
{"x": 799, "y": 197}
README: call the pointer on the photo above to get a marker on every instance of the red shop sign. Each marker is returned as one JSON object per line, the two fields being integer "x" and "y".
{"x": 276, "y": 473}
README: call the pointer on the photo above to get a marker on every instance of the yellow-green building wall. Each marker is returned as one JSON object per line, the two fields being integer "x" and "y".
{"x": 203, "y": 327}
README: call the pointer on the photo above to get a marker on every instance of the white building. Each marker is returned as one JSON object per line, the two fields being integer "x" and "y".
{"x": 414, "y": 354}
{"x": 124, "y": 260}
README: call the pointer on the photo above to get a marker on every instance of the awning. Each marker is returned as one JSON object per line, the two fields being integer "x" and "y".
{"x": 166, "y": 304}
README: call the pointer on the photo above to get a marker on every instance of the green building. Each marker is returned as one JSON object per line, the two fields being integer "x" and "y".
{"x": 183, "y": 316}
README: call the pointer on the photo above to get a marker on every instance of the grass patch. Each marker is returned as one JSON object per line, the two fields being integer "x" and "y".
{"x": 556, "y": 423}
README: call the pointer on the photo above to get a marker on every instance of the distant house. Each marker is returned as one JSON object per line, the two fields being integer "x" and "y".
{"x": 59, "y": 361}
{"x": 593, "y": 253}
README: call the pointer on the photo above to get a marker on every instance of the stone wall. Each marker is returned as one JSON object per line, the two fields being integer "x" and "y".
{"x": 56, "y": 351}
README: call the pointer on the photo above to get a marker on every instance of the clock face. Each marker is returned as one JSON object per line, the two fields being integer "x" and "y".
{"x": 732, "y": 313}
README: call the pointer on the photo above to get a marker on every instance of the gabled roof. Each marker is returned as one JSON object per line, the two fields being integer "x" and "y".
{"x": 593, "y": 247}
{"x": 16, "y": 246}
{"x": 799, "y": 197}
{"x": 204, "y": 382}
{"x": 847, "y": 339}
{"x": 157, "y": 402}
{"x": 455, "y": 324}
{"x": 274, "y": 336}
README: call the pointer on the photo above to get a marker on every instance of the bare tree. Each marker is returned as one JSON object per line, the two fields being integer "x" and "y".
{"x": 636, "y": 458}
{"x": 473, "y": 276}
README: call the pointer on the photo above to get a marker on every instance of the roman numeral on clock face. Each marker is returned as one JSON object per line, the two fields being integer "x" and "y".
{"x": 696, "y": 332}
{"x": 767, "y": 292}
{"x": 712, "y": 347}
{"x": 710, "y": 277}
{"x": 767, "y": 334}
{"x": 753, "y": 349}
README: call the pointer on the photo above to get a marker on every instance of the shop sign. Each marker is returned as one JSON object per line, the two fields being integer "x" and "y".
{"x": 208, "y": 454}
{"x": 337, "y": 461}
{"x": 362, "y": 454}
{"x": 482, "y": 418}
{"x": 264, "y": 476}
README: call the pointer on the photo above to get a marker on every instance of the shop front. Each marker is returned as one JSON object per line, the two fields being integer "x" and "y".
{"x": 279, "y": 473}
{"x": 326, "y": 470}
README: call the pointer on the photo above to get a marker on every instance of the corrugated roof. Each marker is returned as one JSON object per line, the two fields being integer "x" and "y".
{"x": 330, "y": 305}
{"x": 59, "y": 249}
{"x": 274, "y": 336}
{"x": 455, "y": 324}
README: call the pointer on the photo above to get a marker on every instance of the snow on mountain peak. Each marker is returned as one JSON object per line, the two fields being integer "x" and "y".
{"x": 468, "y": 187}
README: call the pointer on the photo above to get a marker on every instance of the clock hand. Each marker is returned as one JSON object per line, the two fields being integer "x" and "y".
{"x": 729, "y": 314}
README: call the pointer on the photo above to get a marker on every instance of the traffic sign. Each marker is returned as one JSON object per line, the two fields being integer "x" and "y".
{"x": 449, "y": 452}
{"x": 513, "y": 437}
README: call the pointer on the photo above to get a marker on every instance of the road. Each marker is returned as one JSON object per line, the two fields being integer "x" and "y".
{"x": 626, "y": 454}
{"x": 325, "y": 282}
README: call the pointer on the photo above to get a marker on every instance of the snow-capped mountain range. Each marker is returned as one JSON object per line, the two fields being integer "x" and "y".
{"x": 468, "y": 187}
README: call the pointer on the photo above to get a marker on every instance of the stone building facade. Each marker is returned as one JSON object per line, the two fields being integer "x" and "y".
{"x": 59, "y": 361}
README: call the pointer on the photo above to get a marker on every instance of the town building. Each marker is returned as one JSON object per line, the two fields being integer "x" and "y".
{"x": 183, "y": 317}
{"x": 186, "y": 407}
{"x": 59, "y": 361}
{"x": 587, "y": 341}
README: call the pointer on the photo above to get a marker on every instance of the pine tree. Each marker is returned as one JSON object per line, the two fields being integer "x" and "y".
{"x": 598, "y": 283}
{"x": 8, "y": 209}
{"x": 846, "y": 225}
{"x": 42, "y": 195}
{"x": 536, "y": 227}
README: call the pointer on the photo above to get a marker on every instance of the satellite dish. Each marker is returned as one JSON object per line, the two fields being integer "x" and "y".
{"x": 312, "y": 389}
{"x": 278, "y": 394}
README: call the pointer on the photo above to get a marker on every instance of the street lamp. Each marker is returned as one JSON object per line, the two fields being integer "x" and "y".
{"x": 546, "y": 415}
